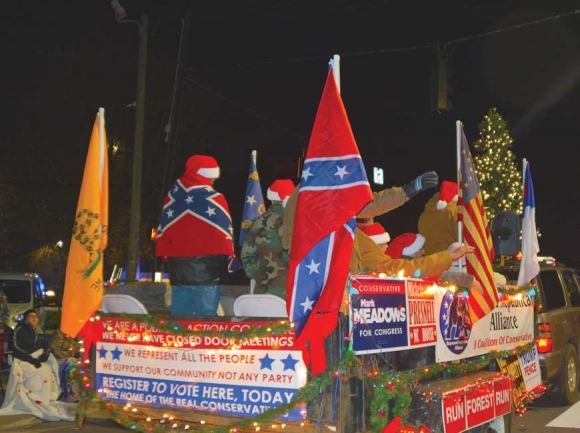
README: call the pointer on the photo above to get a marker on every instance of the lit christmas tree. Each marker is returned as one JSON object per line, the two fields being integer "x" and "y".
{"x": 500, "y": 180}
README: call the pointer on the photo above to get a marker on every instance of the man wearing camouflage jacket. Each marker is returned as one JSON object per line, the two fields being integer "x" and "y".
{"x": 263, "y": 257}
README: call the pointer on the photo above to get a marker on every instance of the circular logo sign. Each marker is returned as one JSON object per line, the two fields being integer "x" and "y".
{"x": 454, "y": 321}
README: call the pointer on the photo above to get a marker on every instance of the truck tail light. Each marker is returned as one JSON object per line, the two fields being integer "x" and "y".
{"x": 544, "y": 342}
{"x": 413, "y": 429}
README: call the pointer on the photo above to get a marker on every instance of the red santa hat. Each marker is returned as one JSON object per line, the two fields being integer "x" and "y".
{"x": 447, "y": 193}
{"x": 405, "y": 245}
{"x": 280, "y": 190}
{"x": 203, "y": 165}
{"x": 376, "y": 232}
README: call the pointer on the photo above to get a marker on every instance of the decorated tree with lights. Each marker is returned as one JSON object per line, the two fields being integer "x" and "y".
{"x": 500, "y": 180}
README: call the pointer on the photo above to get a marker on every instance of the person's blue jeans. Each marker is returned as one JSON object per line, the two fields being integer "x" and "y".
{"x": 195, "y": 300}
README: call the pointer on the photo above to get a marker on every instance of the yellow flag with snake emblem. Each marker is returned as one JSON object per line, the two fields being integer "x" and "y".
{"x": 83, "y": 287}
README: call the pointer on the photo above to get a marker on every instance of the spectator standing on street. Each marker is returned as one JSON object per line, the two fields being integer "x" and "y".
{"x": 263, "y": 257}
{"x": 195, "y": 236}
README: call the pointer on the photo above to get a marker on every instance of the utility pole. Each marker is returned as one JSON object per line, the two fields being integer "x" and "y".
{"x": 136, "y": 181}
{"x": 135, "y": 221}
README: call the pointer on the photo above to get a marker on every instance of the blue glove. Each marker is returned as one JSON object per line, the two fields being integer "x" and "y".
{"x": 425, "y": 181}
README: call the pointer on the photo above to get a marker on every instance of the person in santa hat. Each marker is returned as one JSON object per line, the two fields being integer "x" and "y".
{"x": 195, "y": 237}
{"x": 367, "y": 256}
{"x": 376, "y": 232}
{"x": 383, "y": 201}
{"x": 406, "y": 246}
{"x": 438, "y": 222}
{"x": 263, "y": 257}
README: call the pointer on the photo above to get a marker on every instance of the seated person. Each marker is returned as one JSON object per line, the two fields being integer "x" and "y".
{"x": 33, "y": 386}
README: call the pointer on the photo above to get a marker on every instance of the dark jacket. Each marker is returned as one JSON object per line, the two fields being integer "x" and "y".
{"x": 196, "y": 271}
{"x": 25, "y": 341}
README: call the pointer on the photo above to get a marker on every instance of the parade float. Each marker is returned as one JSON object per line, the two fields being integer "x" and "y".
{"x": 388, "y": 353}
{"x": 154, "y": 372}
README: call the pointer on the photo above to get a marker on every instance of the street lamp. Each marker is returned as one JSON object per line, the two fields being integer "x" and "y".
{"x": 135, "y": 220}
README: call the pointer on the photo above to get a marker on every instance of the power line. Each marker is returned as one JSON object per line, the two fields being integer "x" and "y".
{"x": 243, "y": 107}
{"x": 398, "y": 49}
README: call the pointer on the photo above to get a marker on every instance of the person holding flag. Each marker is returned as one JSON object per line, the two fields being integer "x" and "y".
{"x": 263, "y": 257}
{"x": 195, "y": 236}
{"x": 254, "y": 203}
{"x": 382, "y": 202}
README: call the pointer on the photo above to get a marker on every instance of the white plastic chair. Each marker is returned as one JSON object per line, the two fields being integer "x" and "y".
{"x": 122, "y": 304}
{"x": 260, "y": 306}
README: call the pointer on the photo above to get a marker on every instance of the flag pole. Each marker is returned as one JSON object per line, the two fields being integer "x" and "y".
{"x": 334, "y": 63}
{"x": 458, "y": 130}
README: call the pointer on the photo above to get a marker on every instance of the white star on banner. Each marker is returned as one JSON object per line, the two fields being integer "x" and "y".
{"x": 307, "y": 304}
{"x": 306, "y": 173}
{"x": 189, "y": 199}
{"x": 341, "y": 171}
{"x": 170, "y": 213}
{"x": 210, "y": 211}
{"x": 312, "y": 267}
{"x": 251, "y": 200}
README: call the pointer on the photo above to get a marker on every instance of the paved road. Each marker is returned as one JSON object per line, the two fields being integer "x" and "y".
{"x": 540, "y": 413}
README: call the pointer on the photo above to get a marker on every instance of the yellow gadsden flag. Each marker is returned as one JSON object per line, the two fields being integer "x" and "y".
{"x": 83, "y": 287}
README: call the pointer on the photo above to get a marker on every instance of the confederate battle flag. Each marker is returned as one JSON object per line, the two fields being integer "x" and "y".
{"x": 333, "y": 189}
{"x": 195, "y": 220}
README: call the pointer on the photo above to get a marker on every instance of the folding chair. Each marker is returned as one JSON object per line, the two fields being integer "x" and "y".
{"x": 122, "y": 304}
{"x": 260, "y": 306}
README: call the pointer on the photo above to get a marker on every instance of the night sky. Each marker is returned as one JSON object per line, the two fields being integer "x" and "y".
{"x": 252, "y": 78}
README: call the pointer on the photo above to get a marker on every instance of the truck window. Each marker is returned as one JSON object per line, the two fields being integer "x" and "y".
{"x": 17, "y": 291}
{"x": 553, "y": 291}
{"x": 572, "y": 288}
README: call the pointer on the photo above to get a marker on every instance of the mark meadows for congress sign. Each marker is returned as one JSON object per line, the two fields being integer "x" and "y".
{"x": 391, "y": 314}
{"x": 138, "y": 364}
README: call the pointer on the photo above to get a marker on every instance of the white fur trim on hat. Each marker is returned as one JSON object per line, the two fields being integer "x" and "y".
{"x": 210, "y": 173}
{"x": 441, "y": 205}
{"x": 273, "y": 195}
{"x": 383, "y": 238}
{"x": 415, "y": 246}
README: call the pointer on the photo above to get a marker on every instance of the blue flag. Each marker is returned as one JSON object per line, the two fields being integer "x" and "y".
{"x": 254, "y": 202}
{"x": 529, "y": 266}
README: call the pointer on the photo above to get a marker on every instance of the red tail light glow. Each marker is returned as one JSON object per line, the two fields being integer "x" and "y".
{"x": 413, "y": 429}
{"x": 544, "y": 342}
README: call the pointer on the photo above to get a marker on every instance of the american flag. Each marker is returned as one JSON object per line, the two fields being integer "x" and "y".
{"x": 483, "y": 298}
{"x": 254, "y": 201}
{"x": 333, "y": 189}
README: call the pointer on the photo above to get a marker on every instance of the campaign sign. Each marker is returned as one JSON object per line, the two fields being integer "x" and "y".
{"x": 421, "y": 308}
{"x": 475, "y": 405}
{"x": 454, "y": 419}
{"x": 138, "y": 364}
{"x": 511, "y": 366}
{"x": 378, "y": 315}
{"x": 507, "y": 326}
{"x": 530, "y": 366}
